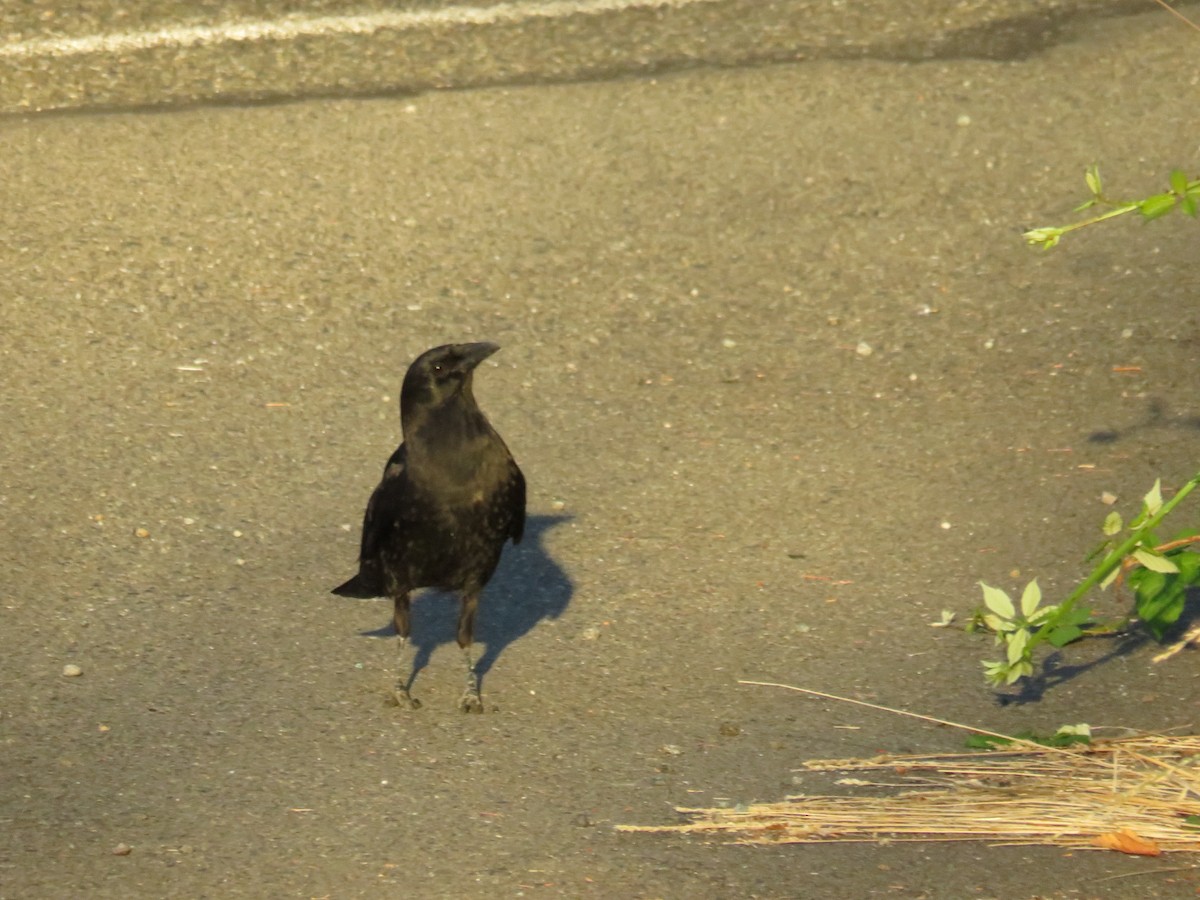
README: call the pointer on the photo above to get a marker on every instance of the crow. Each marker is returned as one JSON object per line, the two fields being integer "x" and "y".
{"x": 450, "y": 496}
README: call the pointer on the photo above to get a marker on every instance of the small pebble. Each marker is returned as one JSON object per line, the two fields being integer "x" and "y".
{"x": 122, "y": 850}
{"x": 141, "y": 532}
{"x": 70, "y": 670}
{"x": 864, "y": 349}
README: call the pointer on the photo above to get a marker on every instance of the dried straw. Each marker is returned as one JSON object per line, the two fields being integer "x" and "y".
{"x": 1132, "y": 794}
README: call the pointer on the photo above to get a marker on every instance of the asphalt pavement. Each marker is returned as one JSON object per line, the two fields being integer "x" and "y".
{"x": 781, "y": 375}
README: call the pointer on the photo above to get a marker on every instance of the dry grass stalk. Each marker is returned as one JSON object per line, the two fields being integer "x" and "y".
{"x": 1133, "y": 794}
{"x": 1137, "y": 795}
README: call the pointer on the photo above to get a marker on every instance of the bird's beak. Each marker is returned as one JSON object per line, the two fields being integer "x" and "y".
{"x": 474, "y": 354}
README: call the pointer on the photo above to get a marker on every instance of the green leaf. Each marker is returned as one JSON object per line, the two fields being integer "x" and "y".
{"x": 1113, "y": 523}
{"x": 1064, "y": 737}
{"x": 1157, "y": 205}
{"x": 997, "y": 601}
{"x": 1169, "y": 615}
{"x": 1064, "y": 634}
{"x": 1155, "y": 562}
{"x": 1075, "y": 617}
{"x": 1147, "y": 584}
{"x": 1179, "y": 181}
{"x": 1188, "y": 205}
{"x": 1092, "y": 177}
{"x": 1160, "y": 612}
{"x": 1189, "y": 565}
{"x": 990, "y": 742}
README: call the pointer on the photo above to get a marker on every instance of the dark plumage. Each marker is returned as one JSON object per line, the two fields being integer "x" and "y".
{"x": 451, "y": 495}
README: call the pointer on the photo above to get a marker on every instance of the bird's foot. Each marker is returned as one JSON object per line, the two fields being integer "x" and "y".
{"x": 403, "y": 699}
{"x": 471, "y": 702}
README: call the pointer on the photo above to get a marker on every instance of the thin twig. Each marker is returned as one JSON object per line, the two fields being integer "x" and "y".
{"x": 1173, "y": 11}
{"x": 904, "y": 712}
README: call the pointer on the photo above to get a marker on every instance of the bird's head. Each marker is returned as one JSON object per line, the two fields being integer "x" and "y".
{"x": 442, "y": 376}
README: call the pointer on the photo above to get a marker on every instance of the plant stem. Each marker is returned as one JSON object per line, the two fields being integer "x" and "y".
{"x": 1115, "y": 558}
{"x": 1118, "y": 211}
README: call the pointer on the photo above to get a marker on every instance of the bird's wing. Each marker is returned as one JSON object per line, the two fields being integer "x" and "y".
{"x": 380, "y": 517}
{"x": 379, "y": 521}
{"x": 516, "y": 499}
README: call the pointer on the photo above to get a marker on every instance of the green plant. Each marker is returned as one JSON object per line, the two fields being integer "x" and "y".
{"x": 1159, "y": 575}
{"x": 1181, "y": 192}
{"x": 1066, "y": 736}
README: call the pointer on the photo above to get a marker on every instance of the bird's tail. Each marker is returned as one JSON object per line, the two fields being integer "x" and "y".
{"x": 360, "y": 587}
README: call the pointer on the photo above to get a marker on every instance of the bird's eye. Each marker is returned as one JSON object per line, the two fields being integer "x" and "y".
{"x": 437, "y": 369}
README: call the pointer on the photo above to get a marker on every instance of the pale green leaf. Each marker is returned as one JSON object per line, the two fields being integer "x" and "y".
{"x": 1030, "y": 598}
{"x": 1113, "y": 523}
{"x": 1154, "y": 562}
{"x": 995, "y": 623}
{"x": 1092, "y": 176}
{"x": 1043, "y": 614}
{"x": 947, "y": 618}
{"x": 1153, "y": 499}
{"x": 1018, "y": 671}
{"x": 998, "y": 601}
{"x": 1016, "y": 646}
{"x": 995, "y": 672}
{"x": 1047, "y": 237}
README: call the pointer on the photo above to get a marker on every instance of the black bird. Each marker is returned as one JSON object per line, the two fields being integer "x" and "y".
{"x": 451, "y": 495}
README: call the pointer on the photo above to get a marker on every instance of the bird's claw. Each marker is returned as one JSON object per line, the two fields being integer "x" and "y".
{"x": 404, "y": 699}
{"x": 471, "y": 702}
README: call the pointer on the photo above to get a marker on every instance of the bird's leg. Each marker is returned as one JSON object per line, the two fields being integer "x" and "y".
{"x": 404, "y": 673}
{"x": 471, "y": 701}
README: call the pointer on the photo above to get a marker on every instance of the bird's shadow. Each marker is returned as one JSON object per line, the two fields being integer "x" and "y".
{"x": 1157, "y": 416}
{"x": 528, "y": 586}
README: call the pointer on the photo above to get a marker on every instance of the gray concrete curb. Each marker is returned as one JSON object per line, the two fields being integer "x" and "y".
{"x": 237, "y": 60}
